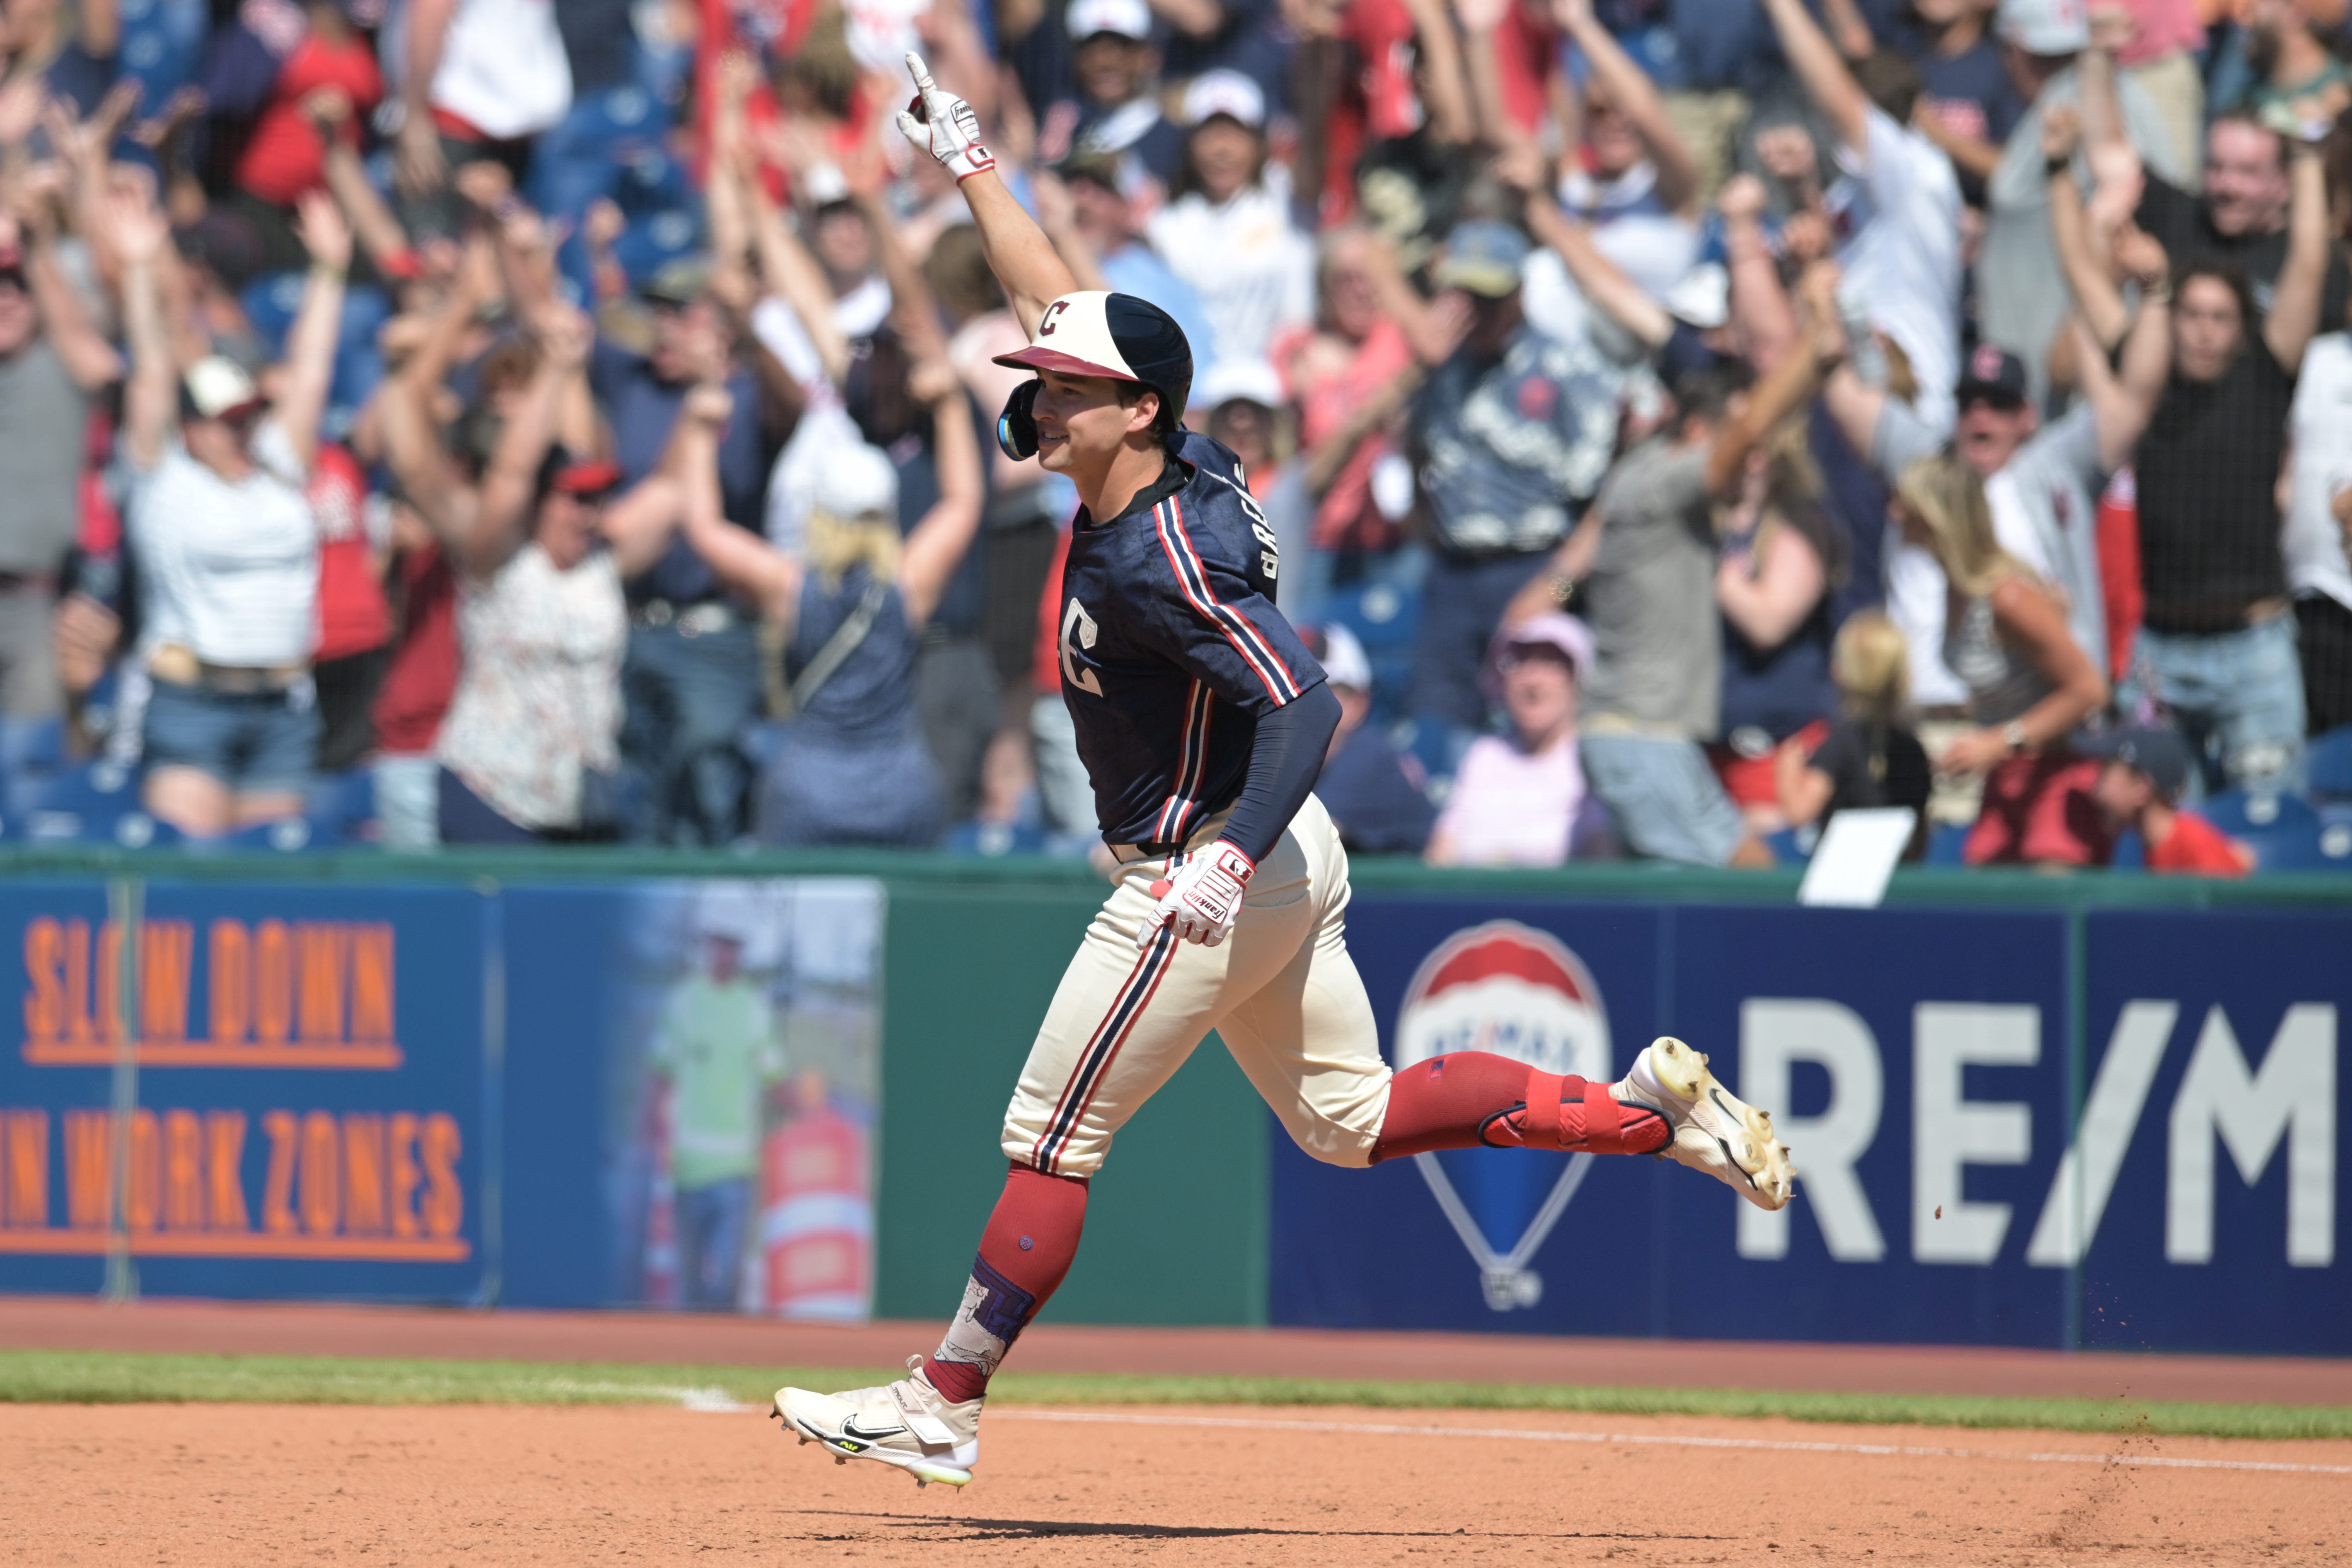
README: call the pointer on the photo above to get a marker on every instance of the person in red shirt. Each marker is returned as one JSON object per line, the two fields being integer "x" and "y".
{"x": 2146, "y": 769}
{"x": 286, "y": 154}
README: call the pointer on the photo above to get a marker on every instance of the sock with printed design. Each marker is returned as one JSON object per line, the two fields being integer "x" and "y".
{"x": 1024, "y": 1253}
{"x": 1469, "y": 1100}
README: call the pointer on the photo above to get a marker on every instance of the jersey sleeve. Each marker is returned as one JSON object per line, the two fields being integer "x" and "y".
{"x": 1219, "y": 623}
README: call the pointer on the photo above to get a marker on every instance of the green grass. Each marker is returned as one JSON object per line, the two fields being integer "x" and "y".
{"x": 77, "y": 1377}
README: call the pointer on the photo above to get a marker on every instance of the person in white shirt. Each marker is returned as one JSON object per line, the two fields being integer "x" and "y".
{"x": 2316, "y": 542}
{"x": 1228, "y": 233}
{"x": 540, "y": 546}
{"x": 1897, "y": 208}
{"x": 226, "y": 542}
{"x": 475, "y": 79}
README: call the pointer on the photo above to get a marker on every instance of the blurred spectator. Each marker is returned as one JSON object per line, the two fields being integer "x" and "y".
{"x": 354, "y": 619}
{"x": 2143, "y": 774}
{"x": 2301, "y": 81}
{"x": 2047, "y": 48}
{"x": 692, "y": 674}
{"x": 1115, "y": 119}
{"x": 229, "y": 547}
{"x": 2217, "y": 647}
{"x": 2318, "y": 544}
{"x": 530, "y": 750}
{"x": 1897, "y": 207}
{"x": 2239, "y": 222}
{"x": 1632, "y": 179}
{"x": 1870, "y": 757}
{"x": 2005, "y": 635}
{"x": 1229, "y": 233}
{"x": 850, "y": 767}
{"x": 1097, "y": 232}
{"x": 2156, "y": 43}
{"x": 268, "y": 71}
{"x": 1350, "y": 375}
{"x": 52, "y": 364}
{"x": 1519, "y": 799}
{"x": 1376, "y": 795}
{"x": 1511, "y": 434}
{"x": 475, "y": 80}
{"x": 1646, "y": 557}
{"x": 1781, "y": 562}
{"x": 1968, "y": 104}
{"x": 68, "y": 48}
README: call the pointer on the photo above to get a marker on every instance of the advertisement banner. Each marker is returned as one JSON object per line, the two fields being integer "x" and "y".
{"x": 1483, "y": 1238}
{"x": 703, "y": 1058}
{"x": 1917, "y": 1062}
{"x": 2206, "y": 1184}
{"x": 249, "y": 1092}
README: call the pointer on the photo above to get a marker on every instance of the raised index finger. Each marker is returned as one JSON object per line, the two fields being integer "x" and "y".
{"x": 922, "y": 76}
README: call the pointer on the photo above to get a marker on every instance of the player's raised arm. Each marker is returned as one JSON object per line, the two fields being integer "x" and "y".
{"x": 1024, "y": 259}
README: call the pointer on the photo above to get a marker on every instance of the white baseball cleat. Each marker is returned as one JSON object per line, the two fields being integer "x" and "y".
{"x": 908, "y": 1424}
{"x": 1715, "y": 1131}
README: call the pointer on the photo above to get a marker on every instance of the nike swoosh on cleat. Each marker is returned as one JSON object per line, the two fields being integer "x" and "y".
{"x": 850, "y": 1428}
{"x": 1716, "y": 1094}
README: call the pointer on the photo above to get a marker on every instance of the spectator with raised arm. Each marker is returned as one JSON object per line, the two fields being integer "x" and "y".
{"x": 475, "y": 80}
{"x": 2218, "y": 646}
{"x": 52, "y": 366}
{"x": 1629, "y": 176}
{"x": 529, "y": 749}
{"x": 1899, "y": 204}
{"x": 1645, "y": 556}
{"x": 226, "y": 542}
{"x": 850, "y": 606}
{"x": 1510, "y": 435}
{"x": 2051, "y": 56}
{"x": 1229, "y": 232}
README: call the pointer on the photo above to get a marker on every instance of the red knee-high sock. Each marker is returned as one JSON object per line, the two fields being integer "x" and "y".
{"x": 1027, "y": 1248}
{"x": 1468, "y": 1099}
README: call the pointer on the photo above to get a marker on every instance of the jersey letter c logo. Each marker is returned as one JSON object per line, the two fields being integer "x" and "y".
{"x": 1045, "y": 321}
{"x": 1078, "y": 630}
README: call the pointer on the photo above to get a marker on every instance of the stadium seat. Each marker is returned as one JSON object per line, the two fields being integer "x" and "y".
{"x": 97, "y": 803}
{"x": 162, "y": 42}
{"x": 1946, "y": 840}
{"x": 2130, "y": 853}
{"x": 2336, "y": 836}
{"x": 1385, "y": 618}
{"x": 2329, "y": 759}
{"x": 2283, "y": 830}
{"x": 343, "y": 806}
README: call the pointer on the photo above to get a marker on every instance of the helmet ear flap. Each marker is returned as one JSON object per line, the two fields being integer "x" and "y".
{"x": 1016, "y": 427}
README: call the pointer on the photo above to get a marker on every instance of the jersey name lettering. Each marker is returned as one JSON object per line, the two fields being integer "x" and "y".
{"x": 1078, "y": 630}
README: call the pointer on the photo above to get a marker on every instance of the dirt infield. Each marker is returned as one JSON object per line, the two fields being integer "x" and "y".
{"x": 262, "y": 1484}
{"x": 677, "y": 1339}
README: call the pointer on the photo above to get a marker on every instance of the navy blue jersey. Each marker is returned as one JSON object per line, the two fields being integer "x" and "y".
{"x": 1171, "y": 648}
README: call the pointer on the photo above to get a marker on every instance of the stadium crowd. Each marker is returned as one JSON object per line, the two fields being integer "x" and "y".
{"x": 465, "y": 421}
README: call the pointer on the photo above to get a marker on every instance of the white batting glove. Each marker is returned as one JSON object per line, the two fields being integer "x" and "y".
{"x": 1201, "y": 899}
{"x": 941, "y": 123}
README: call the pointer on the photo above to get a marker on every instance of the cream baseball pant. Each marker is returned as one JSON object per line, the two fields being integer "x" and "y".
{"x": 1281, "y": 991}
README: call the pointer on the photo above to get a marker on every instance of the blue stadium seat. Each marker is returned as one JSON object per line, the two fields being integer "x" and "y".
{"x": 2130, "y": 853}
{"x": 163, "y": 40}
{"x": 343, "y": 806}
{"x": 2336, "y": 838}
{"x": 2329, "y": 759}
{"x": 1386, "y": 618}
{"x": 1944, "y": 842}
{"x": 97, "y": 803}
{"x": 2283, "y": 830}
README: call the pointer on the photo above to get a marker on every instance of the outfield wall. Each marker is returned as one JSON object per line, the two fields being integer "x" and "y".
{"x": 2096, "y": 1113}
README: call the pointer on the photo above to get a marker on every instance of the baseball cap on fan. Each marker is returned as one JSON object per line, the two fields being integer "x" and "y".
{"x": 1092, "y": 332}
{"x": 1484, "y": 258}
{"x": 857, "y": 481}
{"x": 1226, "y": 92}
{"x": 1130, "y": 19}
{"x": 217, "y": 387}
{"x": 2046, "y": 27}
{"x": 1992, "y": 373}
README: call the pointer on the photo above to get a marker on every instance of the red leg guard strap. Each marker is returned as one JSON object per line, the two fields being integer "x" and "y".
{"x": 1542, "y": 1126}
{"x": 1604, "y": 1121}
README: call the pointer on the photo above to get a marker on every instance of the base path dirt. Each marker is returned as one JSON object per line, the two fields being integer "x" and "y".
{"x": 677, "y": 1339}
{"x": 267, "y": 1484}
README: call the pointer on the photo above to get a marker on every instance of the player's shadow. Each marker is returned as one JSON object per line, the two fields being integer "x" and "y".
{"x": 967, "y": 1527}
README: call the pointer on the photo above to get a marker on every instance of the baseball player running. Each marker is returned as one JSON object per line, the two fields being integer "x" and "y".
{"x": 1203, "y": 723}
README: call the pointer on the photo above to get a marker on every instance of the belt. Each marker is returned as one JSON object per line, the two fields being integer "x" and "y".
{"x": 709, "y": 616}
{"x": 22, "y": 581}
{"x": 1638, "y": 728}
{"x": 178, "y": 663}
